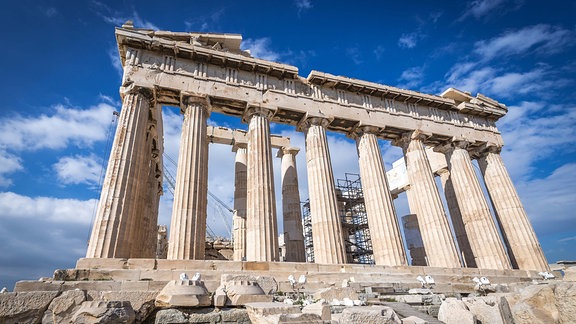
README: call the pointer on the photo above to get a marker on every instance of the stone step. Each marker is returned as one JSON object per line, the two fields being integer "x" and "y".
{"x": 405, "y": 310}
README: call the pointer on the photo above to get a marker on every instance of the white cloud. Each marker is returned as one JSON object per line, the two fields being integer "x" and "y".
{"x": 65, "y": 126}
{"x": 567, "y": 239}
{"x": 117, "y": 18}
{"x": 474, "y": 77}
{"x": 303, "y": 5}
{"x": 57, "y": 210}
{"x": 9, "y": 163}
{"x": 408, "y": 40}
{"x": 486, "y": 8}
{"x": 79, "y": 169}
{"x": 543, "y": 39}
{"x": 379, "y": 51}
{"x": 465, "y": 77}
{"x": 550, "y": 202}
{"x": 260, "y": 48}
{"x": 50, "y": 12}
{"x": 115, "y": 60}
{"x": 480, "y": 8}
{"x": 411, "y": 78}
{"x": 354, "y": 54}
{"x": 205, "y": 22}
{"x": 31, "y": 226}
{"x": 535, "y": 131}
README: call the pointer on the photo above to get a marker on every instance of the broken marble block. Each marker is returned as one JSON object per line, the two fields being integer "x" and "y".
{"x": 183, "y": 293}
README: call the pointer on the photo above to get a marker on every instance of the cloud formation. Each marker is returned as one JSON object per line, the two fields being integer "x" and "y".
{"x": 9, "y": 163}
{"x": 303, "y": 5}
{"x": 539, "y": 39}
{"x": 63, "y": 127}
{"x": 79, "y": 169}
{"x": 411, "y": 78}
{"x": 260, "y": 48}
{"x": 118, "y": 18}
{"x": 483, "y": 8}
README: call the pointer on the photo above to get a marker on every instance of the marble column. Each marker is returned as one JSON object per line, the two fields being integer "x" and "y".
{"x": 292, "y": 212}
{"x": 140, "y": 213}
{"x": 414, "y": 240}
{"x": 456, "y": 217}
{"x": 239, "y": 218}
{"x": 521, "y": 241}
{"x": 382, "y": 220}
{"x": 261, "y": 223}
{"x": 188, "y": 226}
{"x": 478, "y": 222}
{"x": 434, "y": 228}
{"x": 326, "y": 228}
{"x": 155, "y": 189}
{"x": 112, "y": 226}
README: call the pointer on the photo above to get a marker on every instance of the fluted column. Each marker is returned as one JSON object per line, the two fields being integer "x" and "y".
{"x": 382, "y": 220}
{"x": 326, "y": 228}
{"x": 261, "y": 223}
{"x": 111, "y": 229}
{"x": 521, "y": 241}
{"x": 188, "y": 226}
{"x": 292, "y": 213}
{"x": 143, "y": 181}
{"x": 432, "y": 221}
{"x": 478, "y": 222}
{"x": 239, "y": 218}
{"x": 456, "y": 217}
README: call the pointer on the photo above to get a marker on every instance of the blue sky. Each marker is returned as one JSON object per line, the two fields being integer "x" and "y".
{"x": 61, "y": 74}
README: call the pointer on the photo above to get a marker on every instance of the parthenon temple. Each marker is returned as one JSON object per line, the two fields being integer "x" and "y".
{"x": 204, "y": 74}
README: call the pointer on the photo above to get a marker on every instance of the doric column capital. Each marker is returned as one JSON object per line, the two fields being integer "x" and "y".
{"x": 443, "y": 172}
{"x": 191, "y": 99}
{"x": 485, "y": 149}
{"x": 238, "y": 145}
{"x": 365, "y": 129}
{"x": 287, "y": 150}
{"x": 452, "y": 144}
{"x": 258, "y": 111}
{"x": 407, "y": 137}
{"x": 147, "y": 93}
{"x": 313, "y": 120}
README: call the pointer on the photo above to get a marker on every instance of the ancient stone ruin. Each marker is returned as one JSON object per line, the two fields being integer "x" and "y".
{"x": 130, "y": 275}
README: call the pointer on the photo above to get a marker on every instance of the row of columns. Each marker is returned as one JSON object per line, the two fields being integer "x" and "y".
{"x": 476, "y": 232}
{"x": 118, "y": 229}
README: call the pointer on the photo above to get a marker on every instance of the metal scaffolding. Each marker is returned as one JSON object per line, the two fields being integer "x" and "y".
{"x": 307, "y": 227}
{"x": 353, "y": 218}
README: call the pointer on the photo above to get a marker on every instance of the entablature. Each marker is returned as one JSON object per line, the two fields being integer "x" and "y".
{"x": 160, "y": 64}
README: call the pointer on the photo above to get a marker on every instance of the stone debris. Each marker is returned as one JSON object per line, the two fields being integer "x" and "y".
{"x": 551, "y": 303}
{"x": 268, "y": 284}
{"x": 143, "y": 302}
{"x": 320, "y": 308}
{"x": 202, "y": 315}
{"x": 91, "y": 312}
{"x": 453, "y": 311}
{"x": 369, "y": 315}
{"x": 490, "y": 309}
{"x": 239, "y": 292}
{"x": 269, "y": 312}
{"x": 64, "y": 306}
{"x": 24, "y": 307}
{"x": 413, "y": 320}
{"x": 419, "y": 291}
{"x": 338, "y": 293}
{"x": 183, "y": 293}
{"x": 570, "y": 274}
